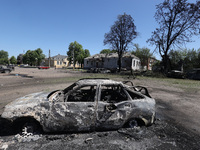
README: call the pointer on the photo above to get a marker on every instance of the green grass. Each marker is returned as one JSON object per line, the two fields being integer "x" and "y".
{"x": 190, "y": 86}
{"x": 185, "y": 84}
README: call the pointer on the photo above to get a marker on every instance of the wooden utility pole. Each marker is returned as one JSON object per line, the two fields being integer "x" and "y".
{"x": 49, "y": 58}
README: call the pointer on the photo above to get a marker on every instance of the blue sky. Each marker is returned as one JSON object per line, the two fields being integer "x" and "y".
{"x": 54, "y": 24}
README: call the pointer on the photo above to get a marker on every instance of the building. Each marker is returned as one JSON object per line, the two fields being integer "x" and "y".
{"x": 110, "y": 61}
{"x": 147, "y": 64}
{"x": 151, "y": 61}
{"x": 59, "y": 61}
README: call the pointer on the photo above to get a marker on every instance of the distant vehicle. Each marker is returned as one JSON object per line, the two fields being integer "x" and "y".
{"x": 4, "y": 69}
{"x": 194, "y": 74}
{"x": 43, "y": 67}
{"x": 86, "y": 105}
{"x": 24, "y": 65}
{"x": 176, "y": 74}
{"x": 11, "y": 67}
{"x": 99, "y": 70}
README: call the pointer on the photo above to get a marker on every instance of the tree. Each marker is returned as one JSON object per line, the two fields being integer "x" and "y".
{"x": 143, "y": 53}
{"x": 33, "y": 57}
{"x": 191, "y": 60}
{"x": 30, "y": 58}
{"x": 3, "y": 57}
{"x": 87, "y": 53}
{"x": 13, "y": 60}
{"x": 77, "y": 53}
{"x": 107, "y": 51}
{"x": 75, "y": 49}
{"x": 188, "y": 59}
{"x": 83, "y": 54}
{"x": 40, "y": 56}
{"x": 178, "y": 21}
{"x": 175, "y": 58}
{"x": 120, "y": 35}
{"x": 20, "y": 59}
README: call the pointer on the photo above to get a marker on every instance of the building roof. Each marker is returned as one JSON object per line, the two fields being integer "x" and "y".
{"x": 111, "y": 55}
{"x": 59, "y": 57}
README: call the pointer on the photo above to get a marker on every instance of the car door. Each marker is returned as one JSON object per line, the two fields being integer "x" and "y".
{"x": 77, "y": 113}
{"x": 114, "y": 107}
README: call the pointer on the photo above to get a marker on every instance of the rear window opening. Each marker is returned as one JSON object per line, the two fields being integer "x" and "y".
{"x": 113, "y": 94}
{"x": 135, "y": 95}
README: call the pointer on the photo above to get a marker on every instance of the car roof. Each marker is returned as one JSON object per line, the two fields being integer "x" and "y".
{"x": 96, "y": 81}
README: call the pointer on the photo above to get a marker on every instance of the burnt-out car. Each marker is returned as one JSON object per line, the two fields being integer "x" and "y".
{"x": 4, "y": 69}
{"x": 86, "y": 105}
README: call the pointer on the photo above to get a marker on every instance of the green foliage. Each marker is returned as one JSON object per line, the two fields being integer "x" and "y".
{"x": 121, "y": 35}
{"x": 34, "y": 57}
{"x": 175, "y": 59}
{"x": 20, "y": 59}
{"x": 13, "y": 60}
{"x": 74, "y": 50}
{"x": 77, "y": 53}
{"x": 178, "y": 21}
{"x": 107, "y": 51}
{"x": 191, "y": 60}
{"x": 188, "y": 58}
{"x": 143, "y": 53}
{"x": 83, "y": 54}
{"x": 3, "y": 57}
{"x": 86, "y": 53}
{"x": 40, "y": 56}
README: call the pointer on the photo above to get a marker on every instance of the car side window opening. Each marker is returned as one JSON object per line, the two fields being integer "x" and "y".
{"x": 71, "y": 87}
{"x": 82, "y": 94}
{"x": 134, "y": 95}
{"x": 112, "y": 94}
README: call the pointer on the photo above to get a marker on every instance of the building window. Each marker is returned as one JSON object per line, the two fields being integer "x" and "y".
{"x": 57, "y": 62}
{"x": 87, "y": 62}
{"x": 61, "y": 63}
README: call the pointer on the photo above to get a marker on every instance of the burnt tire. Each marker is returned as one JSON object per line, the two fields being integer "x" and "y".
{"x": 133, "y": 123}
{"x": 30, "y": 127}
{"x": 7, "y": 71}
{"x": 27, "y": 125}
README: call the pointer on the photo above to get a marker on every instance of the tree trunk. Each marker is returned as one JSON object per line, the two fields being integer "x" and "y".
{"x": 120, "y": 62}
{"x": 166, "y": 63}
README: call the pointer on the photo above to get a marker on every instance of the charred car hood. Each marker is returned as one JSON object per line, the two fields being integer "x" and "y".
{"x": 31, "y": 98}
{"x": 24, "y": 105}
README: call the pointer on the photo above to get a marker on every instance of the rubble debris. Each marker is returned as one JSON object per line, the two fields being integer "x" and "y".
{"x": 27, "y": 136}
{"x": 88, "y": 140}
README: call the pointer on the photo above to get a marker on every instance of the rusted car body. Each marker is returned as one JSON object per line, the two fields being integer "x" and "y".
{"x": 86, "y": 105}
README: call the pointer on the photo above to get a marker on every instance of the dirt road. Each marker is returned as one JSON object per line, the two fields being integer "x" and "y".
{"x": 176, "y": 127}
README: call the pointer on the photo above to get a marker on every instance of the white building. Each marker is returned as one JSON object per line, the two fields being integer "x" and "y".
{"x": 110, "y": 61}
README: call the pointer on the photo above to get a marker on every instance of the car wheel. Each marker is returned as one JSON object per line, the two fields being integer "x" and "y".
{"x": 7, "y": 71}
{"x": 24, "y": 126}
{"x": 31, "y": 127}
{"x": 133, "y": 123}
